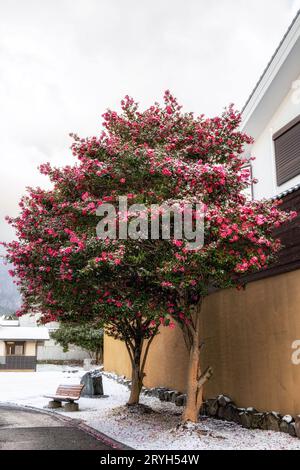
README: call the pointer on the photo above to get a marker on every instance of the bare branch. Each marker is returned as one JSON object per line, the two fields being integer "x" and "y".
{"x": 129, "y": 352}
{"x": 207, "y": 374}
{"x": 146, "y": 354}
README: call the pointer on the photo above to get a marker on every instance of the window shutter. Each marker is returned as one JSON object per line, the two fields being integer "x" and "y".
{"x": 287, "y": 151}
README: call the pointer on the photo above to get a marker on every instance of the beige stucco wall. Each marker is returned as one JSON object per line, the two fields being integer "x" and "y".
{"x": 30, "y": 348}
{"x": 248, "y": 341}
{"x": 2, "y": 348}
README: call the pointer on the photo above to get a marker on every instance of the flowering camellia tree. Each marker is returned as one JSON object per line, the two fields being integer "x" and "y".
{"x": 136, "y": 283}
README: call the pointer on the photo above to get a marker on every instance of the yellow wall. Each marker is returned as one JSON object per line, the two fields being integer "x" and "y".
{"x": 166, "y": 364}
{"x": 248, "y": 341}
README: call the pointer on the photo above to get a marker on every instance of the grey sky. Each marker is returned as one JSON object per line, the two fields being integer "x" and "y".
{"x": 63, "y": 62}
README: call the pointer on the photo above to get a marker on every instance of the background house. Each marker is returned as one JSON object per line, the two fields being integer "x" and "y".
{"x": 18, "y": 345}
{"x": 249, "y": 335}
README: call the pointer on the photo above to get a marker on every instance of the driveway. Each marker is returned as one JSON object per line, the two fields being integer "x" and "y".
{"x": 30, "y": 429}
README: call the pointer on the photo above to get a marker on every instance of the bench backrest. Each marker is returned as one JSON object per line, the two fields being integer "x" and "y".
{"x": 72, "y": 391}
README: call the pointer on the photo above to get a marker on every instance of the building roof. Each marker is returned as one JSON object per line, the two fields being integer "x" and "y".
{"x": 275, "y": 83}
{"x": 8, "y": 333}
{"x": 9, "y": 323}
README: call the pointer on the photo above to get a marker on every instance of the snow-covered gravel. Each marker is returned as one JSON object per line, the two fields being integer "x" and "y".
{"x": 153, "y": 431}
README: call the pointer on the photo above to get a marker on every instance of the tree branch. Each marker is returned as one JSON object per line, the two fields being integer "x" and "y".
{"x": 146, "y": 354}
{"x": 129, "y": 352}
{"x": 207, "y": 374}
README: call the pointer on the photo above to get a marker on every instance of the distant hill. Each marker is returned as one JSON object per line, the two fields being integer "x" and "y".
{"x": 9, "y": 295}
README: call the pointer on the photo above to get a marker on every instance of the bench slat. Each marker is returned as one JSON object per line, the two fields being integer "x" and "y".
{"x": 58, "y": 398}
{"x": 72, "y": 385}
{"x": 67, "y": 392}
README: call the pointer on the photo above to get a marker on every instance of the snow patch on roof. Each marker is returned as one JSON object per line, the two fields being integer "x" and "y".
{"x": 24, "y": 333}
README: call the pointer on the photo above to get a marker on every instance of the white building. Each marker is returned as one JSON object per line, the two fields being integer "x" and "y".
{"x": 49, "y": 351}
{"x": 19, "y": 345}
{"x": 272, "y": 117}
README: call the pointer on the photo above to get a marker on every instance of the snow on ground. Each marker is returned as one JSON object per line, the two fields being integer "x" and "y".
{"x": 153, "y": 431}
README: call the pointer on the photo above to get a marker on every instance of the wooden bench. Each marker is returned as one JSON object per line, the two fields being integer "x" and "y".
{"x": 67, "y": 393}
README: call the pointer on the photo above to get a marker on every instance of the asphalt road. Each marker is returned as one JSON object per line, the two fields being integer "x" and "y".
{"x": 22, "y": 429}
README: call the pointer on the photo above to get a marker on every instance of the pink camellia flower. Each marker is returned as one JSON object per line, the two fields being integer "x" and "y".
{"x": 84, "y": 196}
{"x": 166, "y": 172}
{"x": 122, "y": 180}
{"x": 293, "y": 215}
{"x": 260, "y": 219}
{"x": 166, "y": 284}
{"x": 242, "y": 267}
{"x": 117, "y": 261}
{"x": 263, "y": 259}
{"x": 52, "y": 232}
{"x": 172, "y": 326}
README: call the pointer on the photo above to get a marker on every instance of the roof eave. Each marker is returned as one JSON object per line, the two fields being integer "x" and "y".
{"x": 276, "y": 81}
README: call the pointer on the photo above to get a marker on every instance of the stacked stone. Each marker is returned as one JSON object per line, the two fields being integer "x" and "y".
{"x": 224, "y": 408}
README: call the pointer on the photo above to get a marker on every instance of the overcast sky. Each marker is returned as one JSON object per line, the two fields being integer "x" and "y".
{"x": 63, "y": 62}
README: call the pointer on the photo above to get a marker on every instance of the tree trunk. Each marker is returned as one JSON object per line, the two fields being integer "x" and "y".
{"x": 138, "y": 359}
{"x": 98, "y": 356}
{"x": 136, "y": 375}
{"x": 195, "y": 379}
{"x": 194, "y": 393}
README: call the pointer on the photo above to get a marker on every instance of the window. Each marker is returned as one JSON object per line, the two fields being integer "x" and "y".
{"x": 287, "y": 151}
{"x": 248, "y": 192}
{"x": 15, "y": 348}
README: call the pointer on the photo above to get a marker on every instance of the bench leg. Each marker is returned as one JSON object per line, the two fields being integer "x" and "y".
{"x": 54, "y": 404}
{"x": 71, "y": 406}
